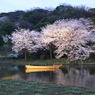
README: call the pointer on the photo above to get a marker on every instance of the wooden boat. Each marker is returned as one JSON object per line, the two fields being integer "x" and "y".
{"x": 43, "y": 67}
{"x": 40, "y": 70}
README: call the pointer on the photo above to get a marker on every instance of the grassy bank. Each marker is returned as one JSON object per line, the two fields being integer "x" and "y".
{"x": 43, "y": 62}
{"x": 14, "y": 87}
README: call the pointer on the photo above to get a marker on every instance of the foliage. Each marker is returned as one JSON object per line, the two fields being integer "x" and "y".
{"x": 7, "y": 28}
{"x": 1, "y": 41}
{"x": 4, "y": 19}
{"x": 39, "y": 25}
{"x": 70, "y": 37}
{"x": 35, "y": 15}
{"x": 16, "y": 16}
{"x": 64, "y": 10}
{"x": 68, "y": 11}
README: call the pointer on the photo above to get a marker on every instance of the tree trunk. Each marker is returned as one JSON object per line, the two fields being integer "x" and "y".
{"x": 25, "y": 51}
{"x": 50, "y": 49}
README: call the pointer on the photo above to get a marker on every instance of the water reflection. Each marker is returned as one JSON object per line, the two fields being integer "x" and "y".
{"x": 74, "y": 76}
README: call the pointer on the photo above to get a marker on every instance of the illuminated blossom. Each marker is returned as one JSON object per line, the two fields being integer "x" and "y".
{"x": 25, "y": 39}
{"x": 70, "y": 38}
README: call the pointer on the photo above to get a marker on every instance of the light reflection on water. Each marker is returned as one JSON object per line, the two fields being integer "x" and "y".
{"x": 74, "y": 76}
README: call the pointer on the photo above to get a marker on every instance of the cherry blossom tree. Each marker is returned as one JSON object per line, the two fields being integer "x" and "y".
{"x": 26, "y": 40}
{"x": 71, "y": 37}
{"x": 47, "y": 39}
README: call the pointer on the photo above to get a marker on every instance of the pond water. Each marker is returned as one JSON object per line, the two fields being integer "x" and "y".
{"x": 81, "y": 76}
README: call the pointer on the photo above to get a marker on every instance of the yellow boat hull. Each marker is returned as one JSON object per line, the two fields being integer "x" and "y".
{"x": 40, "y": 70}
{"x": 42, "y": 67}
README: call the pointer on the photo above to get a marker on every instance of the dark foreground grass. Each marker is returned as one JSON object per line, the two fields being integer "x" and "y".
{"x": 14, "y": 87}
